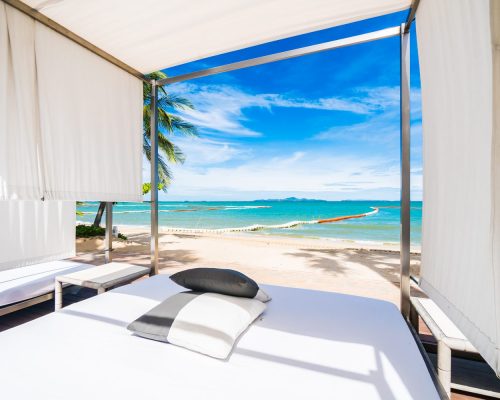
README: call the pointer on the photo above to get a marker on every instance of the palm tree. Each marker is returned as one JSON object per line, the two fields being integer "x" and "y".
{"x": 168, "y": 125}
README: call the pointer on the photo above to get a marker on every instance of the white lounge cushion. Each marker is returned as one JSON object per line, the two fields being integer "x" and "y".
{"x": 309, "y": 344}
{"x": 24, "y": 283}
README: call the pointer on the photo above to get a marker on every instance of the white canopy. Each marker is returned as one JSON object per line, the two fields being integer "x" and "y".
{"x": 150, "y": 35}
{"x": 460, "y": 67}
{"x": 459, "y": 49}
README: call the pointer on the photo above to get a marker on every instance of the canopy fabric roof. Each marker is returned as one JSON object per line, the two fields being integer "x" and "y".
{"x": 154, "y": 34}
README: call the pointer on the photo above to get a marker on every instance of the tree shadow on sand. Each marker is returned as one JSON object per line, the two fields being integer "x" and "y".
{"x": 384, "y": 263}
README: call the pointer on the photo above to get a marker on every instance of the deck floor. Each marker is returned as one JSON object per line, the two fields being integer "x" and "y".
{"x": 464, "y": 371}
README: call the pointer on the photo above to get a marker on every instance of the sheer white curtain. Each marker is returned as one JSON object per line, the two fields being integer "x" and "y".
{"x": 70, "y": 129}
{"x": 70, "y": 122}
{"x": 91, "y": 123}
{"x": 35, "y": 231}
{"x": 19, "y": 134}
{"x": 458, "y": 42}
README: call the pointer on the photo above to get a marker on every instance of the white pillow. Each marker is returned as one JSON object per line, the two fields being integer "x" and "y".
{"x": 209, "y": 323}
{"x": 212, "y": 322}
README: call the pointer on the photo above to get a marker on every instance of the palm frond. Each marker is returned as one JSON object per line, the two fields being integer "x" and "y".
{"x": 175, "y": 102}
{"x": 174, "y": 154}
{"x": 168, "y": 123}
{"x": 164, "y": 174}
{"x": 185, "y": 127}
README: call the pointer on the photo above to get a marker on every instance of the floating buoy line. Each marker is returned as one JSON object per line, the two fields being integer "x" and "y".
{"x": 257, "y": 227}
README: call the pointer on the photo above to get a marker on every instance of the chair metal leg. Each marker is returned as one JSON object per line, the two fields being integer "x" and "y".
{"x": 444, "y": 365}
{"x": 414, "y": 318}
{"x": 58, "y": 295}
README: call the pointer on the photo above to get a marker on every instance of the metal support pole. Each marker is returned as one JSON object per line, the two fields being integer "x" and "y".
{"x": 154, "y": 178}
{"x": 108, "y": 245}
{"x": 405, "y": 174}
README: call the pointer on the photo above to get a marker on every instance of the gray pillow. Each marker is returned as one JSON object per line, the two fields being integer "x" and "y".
{"x": 156, "y": 323}
{"x": 215, "y": 280}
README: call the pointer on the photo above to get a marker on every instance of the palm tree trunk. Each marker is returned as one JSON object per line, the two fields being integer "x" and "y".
{"x": 100, "y": 211}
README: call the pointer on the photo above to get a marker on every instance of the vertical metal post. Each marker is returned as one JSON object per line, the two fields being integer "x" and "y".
{"x": 154, "y": 178}
{"x": 405, "y": 174}
{"x": 108, "y": 239}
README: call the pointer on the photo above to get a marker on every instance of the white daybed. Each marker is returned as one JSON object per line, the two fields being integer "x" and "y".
{"x": 24, "y": 286}
{"x": 308, "y": 344}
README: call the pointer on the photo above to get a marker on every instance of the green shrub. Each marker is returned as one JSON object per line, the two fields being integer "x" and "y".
{"x": 86, "y": 231}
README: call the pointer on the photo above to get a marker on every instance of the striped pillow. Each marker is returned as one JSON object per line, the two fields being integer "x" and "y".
{"x": 209, "y": 323}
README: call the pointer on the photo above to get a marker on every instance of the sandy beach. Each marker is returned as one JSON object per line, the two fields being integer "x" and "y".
{"x": 364, "y": 269}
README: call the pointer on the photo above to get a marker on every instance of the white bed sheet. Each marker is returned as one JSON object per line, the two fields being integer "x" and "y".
{"x": 23, "y": 283}
{"x": 308, "y": 344}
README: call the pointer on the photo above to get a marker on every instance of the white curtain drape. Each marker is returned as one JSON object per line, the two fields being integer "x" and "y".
{"x": 19, "y": 134}
{"x": 91, "y": 123}
{"x": 36, "y": 231}
{"x": 70, "y": 122}
{"x": 458, "y": 42}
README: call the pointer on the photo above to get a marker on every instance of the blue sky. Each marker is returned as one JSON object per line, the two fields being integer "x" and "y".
{"x": 321, "y": 126}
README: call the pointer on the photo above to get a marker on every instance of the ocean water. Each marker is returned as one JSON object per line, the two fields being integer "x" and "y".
{"x": 380, "y": 227}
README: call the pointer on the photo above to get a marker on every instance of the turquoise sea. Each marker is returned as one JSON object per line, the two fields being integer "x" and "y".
{"x": 380, "y": 227}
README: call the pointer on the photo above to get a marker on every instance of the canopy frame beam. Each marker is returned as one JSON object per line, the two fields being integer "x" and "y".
{"x": 285, "y": 55}
{"x": 411, "y": 15}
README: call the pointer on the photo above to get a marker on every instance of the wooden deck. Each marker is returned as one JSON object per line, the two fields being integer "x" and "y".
{"x": 464, "y": 371}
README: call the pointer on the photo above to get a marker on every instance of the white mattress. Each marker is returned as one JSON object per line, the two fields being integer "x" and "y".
{"x": 24, "y": 283}
{"x": 308, "y": 344}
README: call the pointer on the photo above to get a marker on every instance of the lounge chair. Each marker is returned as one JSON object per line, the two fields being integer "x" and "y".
{"x": 25, "y": 286}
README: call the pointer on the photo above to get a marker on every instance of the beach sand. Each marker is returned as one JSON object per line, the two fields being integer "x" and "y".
{"x": 363, "y": 269}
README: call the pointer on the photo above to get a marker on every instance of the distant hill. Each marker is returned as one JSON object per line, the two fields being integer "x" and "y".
{"x": 290, "y": 199}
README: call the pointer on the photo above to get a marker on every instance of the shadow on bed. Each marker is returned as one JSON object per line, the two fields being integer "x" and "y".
{"x": 375, "y": 377}
{"x": 327, "y": 316}
{"x": 95, "y": 317}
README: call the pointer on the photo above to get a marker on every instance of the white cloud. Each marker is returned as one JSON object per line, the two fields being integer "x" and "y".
{"x": 205, "y": 151}
{"x": 220, "y": 108}
{"x": 301, "y": 172}
{"x": 227, "y": 169}
{"x": 381, "y": 126}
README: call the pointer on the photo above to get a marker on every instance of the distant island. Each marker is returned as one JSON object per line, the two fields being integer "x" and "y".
{"x": 290, "y": 199}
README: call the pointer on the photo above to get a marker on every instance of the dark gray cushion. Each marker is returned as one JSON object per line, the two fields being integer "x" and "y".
{"x": 215, "y": 280}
